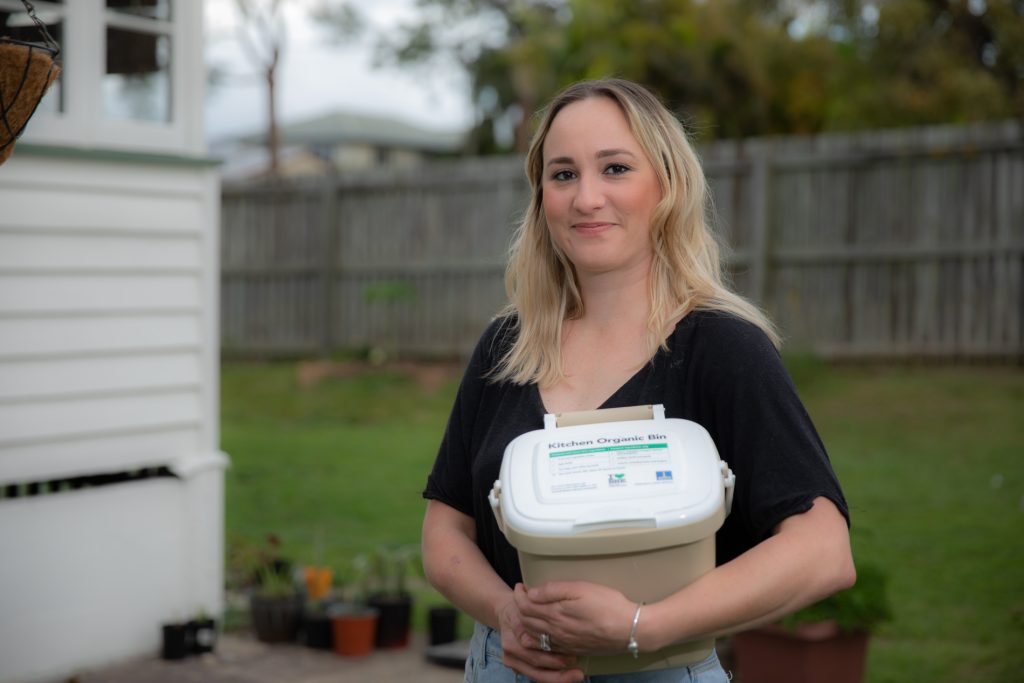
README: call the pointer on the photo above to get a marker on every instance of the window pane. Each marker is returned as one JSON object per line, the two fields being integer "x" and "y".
{"x": 151, "y": 9}
{"x": 137, "y": 85}
{"x": 18, "y": 26}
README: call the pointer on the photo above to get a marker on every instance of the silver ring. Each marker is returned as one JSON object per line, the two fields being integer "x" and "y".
{"x": 545, "y": 642}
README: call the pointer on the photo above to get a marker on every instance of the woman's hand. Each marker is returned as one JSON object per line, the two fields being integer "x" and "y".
{"x": 523, "y": 652}
{"x": 579, "y": 617}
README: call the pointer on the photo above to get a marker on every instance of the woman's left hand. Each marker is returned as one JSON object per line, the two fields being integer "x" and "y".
{"x": 579, "y": 617}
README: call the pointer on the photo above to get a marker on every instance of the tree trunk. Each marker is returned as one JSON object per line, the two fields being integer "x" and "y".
{"x": 273, "y": 140}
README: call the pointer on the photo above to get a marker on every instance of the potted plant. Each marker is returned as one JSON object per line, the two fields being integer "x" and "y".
{"x": 389, "y": 594}
{"x": 442, "y": 624}
{"x": 276, "y": 606}
{"x": 202, "y": 633}
{"x": 175, "y": 641}
{"x": 823, "y": 642}
{"x": 353, "y": 623}
{"x": 317, "y": 629}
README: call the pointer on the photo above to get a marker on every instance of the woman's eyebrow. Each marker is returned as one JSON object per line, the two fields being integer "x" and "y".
{"x": 614, "y": 153}
{"x": 600, "y": 155}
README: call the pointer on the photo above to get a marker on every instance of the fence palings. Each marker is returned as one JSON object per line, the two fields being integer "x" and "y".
{"x": 886, "y": 243}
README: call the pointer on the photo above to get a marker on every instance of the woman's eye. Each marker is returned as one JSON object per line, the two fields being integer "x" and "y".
{"x": 616, "y": 169}
{"x": 563, "y": 175}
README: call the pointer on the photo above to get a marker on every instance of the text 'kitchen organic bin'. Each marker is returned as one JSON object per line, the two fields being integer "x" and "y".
{"x": 620, "y": 497}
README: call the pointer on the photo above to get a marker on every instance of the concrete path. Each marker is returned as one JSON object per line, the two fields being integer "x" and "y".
{"x": 242, "y": 659}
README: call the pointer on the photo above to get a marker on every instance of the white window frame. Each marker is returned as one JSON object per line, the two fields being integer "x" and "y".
{"x": 83, "y": 122}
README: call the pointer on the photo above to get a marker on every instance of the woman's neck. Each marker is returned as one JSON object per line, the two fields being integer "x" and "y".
{"x": 617, "y": 298}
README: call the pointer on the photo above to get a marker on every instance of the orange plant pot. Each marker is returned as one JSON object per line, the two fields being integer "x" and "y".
{"x": 318, "y": 581}
{"x": 354, "y": 631}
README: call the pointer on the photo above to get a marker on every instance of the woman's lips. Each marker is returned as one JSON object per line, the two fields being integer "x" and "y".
{"x": 592, "y": 226}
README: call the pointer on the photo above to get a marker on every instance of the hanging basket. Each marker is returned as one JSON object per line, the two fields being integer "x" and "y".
{"x": 26, "y": 72}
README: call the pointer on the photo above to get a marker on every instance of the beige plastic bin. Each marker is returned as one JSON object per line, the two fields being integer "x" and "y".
{"x": 625, "y": 498}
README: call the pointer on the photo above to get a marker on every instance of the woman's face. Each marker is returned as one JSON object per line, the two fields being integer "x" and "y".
{"x": 599, "y": 189}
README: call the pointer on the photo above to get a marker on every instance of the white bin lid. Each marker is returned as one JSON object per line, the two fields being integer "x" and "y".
{"x": 638, "y": 474}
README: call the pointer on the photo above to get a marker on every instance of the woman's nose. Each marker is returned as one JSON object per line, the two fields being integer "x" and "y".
{"x": 589, "y": 194}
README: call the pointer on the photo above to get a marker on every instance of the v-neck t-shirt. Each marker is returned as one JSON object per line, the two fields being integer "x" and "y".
{"x": 719, "y": 371}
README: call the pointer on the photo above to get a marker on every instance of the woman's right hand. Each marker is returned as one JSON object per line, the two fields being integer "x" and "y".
{"x": 523, "y": 654}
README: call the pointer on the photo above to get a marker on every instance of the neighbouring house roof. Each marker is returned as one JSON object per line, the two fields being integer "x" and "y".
{"x": 339, "y": 127}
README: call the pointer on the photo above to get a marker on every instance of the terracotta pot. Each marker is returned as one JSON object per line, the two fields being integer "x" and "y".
{"x": 813, "y": 653}
{"x": 355, "y": 629}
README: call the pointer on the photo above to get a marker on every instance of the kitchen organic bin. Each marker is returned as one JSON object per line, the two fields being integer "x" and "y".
{"x": 621, "y": 497}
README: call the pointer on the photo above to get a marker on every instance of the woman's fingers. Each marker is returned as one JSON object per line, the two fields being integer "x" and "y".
{"x": 541, "y": 673}
{"x": 579, "y": 617}
{"x": 523, "y": 653}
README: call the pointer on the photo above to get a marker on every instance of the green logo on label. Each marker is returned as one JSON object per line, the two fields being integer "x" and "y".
{"x": 619, "y": 476}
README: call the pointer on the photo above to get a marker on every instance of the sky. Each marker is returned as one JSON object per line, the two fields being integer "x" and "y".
{"x": 316, "y": 77}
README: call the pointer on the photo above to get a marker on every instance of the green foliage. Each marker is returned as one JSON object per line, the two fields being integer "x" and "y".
{"x": 275, "y": 584}
{"x": 351, "y": 579}
{"x": 388, "y": 291}
{"x": 390, "y": 567}
{"x": 731, "y": 68}
{"x": 861, "y": 607}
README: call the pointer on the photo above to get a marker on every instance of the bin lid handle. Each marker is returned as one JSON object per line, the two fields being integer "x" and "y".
{"x": 586, "y": 417}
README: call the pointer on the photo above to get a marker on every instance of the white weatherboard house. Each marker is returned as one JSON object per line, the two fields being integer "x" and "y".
{"x": 111, "y": 482}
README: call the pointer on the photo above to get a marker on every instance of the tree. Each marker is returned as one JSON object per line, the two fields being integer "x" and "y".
{"x": 717, "y": 62}
{"x": 732, "y": 68}
{"x": 262, "y": 34}
{"x": 501, "y": 44}
{"x": 929, "y": 61}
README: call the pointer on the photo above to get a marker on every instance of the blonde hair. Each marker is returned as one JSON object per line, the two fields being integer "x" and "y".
{"x": 686, "y": 271}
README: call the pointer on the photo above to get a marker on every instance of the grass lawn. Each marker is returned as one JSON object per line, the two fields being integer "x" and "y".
{"x": 931, "y": 459}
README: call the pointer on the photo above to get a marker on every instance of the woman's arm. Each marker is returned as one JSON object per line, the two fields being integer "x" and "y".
{"x": 455, "y": 566}
{"x": 807, "y": 558}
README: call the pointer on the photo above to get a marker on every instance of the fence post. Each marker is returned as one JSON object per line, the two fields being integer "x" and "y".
{"x": 328, "y": 217}
{"x": 759, "y": 225}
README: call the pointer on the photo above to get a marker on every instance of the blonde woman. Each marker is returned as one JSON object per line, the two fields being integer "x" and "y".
{"x": 617, "y": 299}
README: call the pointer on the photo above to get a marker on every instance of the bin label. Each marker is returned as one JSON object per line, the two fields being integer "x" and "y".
{"x": 620, "y": 463}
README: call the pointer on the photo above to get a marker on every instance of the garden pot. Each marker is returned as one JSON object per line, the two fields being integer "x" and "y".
{"x": 317, "y": 581}
{"x": 276, "y": 619}
{"x": 202, "y": 635}
{"x": 443, "y": 623}
{"x": 395, "y": 620}
{"x": 812, "y": 653}
{"x": 318, "y": 631}
{"x": 175, "y": 641}
{"x": 354, "y": 629}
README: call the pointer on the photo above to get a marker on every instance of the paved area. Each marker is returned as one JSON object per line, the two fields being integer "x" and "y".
{"x": 242, "y": 659}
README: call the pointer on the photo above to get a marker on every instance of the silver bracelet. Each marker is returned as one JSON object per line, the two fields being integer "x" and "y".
{"x": 633, "y": 648}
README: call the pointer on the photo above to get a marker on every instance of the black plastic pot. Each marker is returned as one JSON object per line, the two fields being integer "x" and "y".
{"x": 443, "y": 624}
{"x": 276, "y": 620}
{"x": 202, "y": 635}
{"x": 175, "y": 641}
{"x": 318, "y": 631}
{"x": 395, "y": 620}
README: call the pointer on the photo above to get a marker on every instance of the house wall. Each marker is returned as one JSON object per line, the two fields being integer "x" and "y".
{"x": 108, "y": 364}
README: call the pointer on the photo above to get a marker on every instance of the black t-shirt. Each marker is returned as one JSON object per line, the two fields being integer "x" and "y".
{"x": 719, "y": 371}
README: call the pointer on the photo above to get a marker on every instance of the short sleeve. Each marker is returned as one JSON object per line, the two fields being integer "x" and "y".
{"x": 762, "y": 430}
{"x": 450, "y": 480}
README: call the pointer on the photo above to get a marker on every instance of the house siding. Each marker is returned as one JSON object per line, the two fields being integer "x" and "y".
{"x": 104, "y": 286}
{"x": 108, "y": 364}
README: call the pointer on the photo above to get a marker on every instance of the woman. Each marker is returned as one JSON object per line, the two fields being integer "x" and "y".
{"x": 617, "y": 300}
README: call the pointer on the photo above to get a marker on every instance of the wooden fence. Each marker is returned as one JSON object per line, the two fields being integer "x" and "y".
{"x": 904, "y": 243}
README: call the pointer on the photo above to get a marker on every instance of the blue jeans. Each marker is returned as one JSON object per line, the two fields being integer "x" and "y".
{"x": 484, "y": 666}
